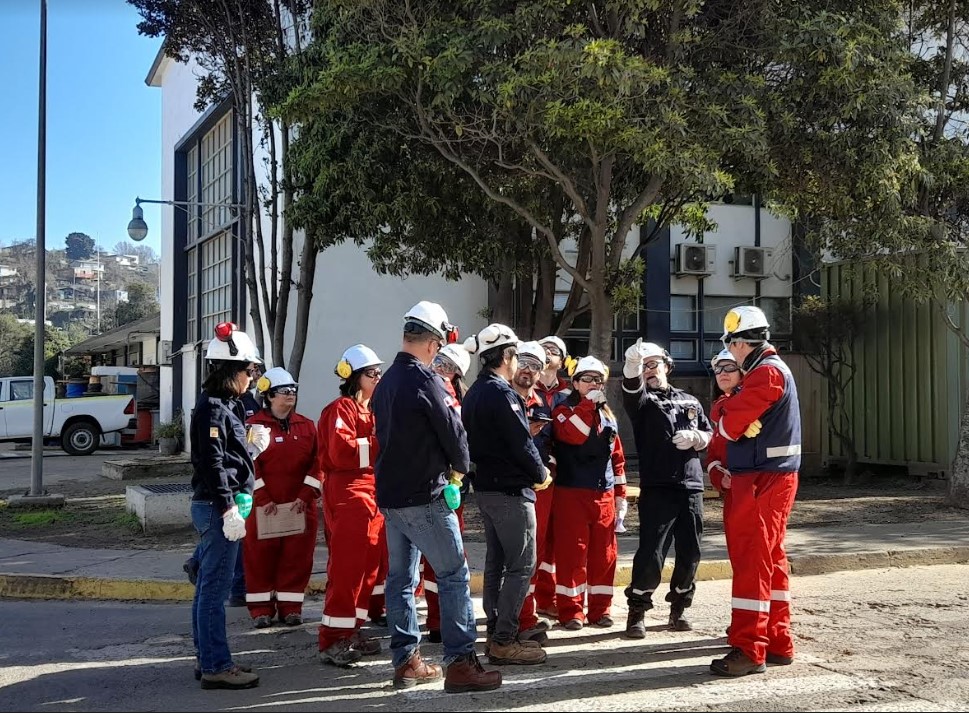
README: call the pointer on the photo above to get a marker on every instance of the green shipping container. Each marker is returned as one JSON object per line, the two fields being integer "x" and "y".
{"x": 909, "y": 388}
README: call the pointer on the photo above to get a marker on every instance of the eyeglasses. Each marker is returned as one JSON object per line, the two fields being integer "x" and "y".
{"x": 284, "y": 391}
{"x": 373, "y": 373}
{"x": 552, "y": 351}
{"x": 443, "y": 364}
{"x": 591, "y": 379}
{"x": 529, "y": 365}
{"x": 726, "y": 369}
{"x": 652, "y": 363}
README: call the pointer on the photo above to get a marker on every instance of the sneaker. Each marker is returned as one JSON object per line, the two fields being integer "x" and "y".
{"x": 736, "y": 663}
{"x": 293, "y": 619}
{"x": 234, "y": 678}
{"x": 605, "y": 621}
{"x": 198, "y": 670}
{"x": 191, "y": 568}
{"x": 434, "y": 636}
{"x": 779, "y": 659}
{"x": 340, "y": 654}
{"x": 636, "y": 622}
{"x": 678, "y": 622}
{"x": 262, "y": 622}
{"x": 416, "y": 671}
{"x": 573, "y": 625}
{"x": 515, "y": 652}
{"x": 366, "y": 645}
{"x": 536, "y": 634}
{"x": 467, "y": 674}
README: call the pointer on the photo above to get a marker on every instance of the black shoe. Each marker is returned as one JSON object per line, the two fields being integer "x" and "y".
{"x": 236, "y": 602}
{"x": 379, "y": 620}
{"x": 779, "y": 659}
{"x": 636, "y": 622}
{"x": 191, "y": 568}
{"x": 434, "y": 636}
{"x": 678, "y": 622}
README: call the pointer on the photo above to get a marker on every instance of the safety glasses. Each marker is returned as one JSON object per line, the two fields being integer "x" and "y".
{"x": 552, "y": 351}
{"x": 285, "y": 391}
{"x": 726, "y": 369}
{"x": 444, "y": 364}
{"x": 526, "y": 364}
{"x": 373, "y": 373}
{"x": 591, "y": 379}
{"x": 652, "y": 363}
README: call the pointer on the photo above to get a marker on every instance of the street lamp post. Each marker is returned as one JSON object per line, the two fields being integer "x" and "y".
{"x": 138, "y": 228}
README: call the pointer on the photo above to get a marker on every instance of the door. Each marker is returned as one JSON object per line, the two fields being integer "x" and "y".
{"x": 18, "y": 407}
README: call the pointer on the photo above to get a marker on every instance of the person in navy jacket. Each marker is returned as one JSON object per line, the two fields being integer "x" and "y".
{"x": 508, "y": 471}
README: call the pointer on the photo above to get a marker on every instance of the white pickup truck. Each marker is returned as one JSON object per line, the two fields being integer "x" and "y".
{"x": 78, "y": 422}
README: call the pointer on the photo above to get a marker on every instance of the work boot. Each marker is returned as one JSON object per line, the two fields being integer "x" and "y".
{"x": 415, "y": 671}
{"x": 434, "y": 636}
{"x": 678, "y": 622}
{"x": 573, "y": 625}
{"x": 535, "y": 634}
{"x": 366, "y": 645}
{"x": 198, "y": 670}
{"x": 340, "y": 654}
{"x": 779, "y": 659}
{"x": 736, "y": 663}
{"x": 551, "y": 612}
{"x": 262, "y": 622}
{"x": 293, "y": 619}
{"x": 466, "y": 674}
{"x": 515, "y": 652}
{"x": 234, "y": 678}
{"x": 636, "y": 622}
{"x": 604, "y": 622}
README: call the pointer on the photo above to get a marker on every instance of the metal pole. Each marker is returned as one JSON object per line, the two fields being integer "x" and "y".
{"x": 37, "y": 452}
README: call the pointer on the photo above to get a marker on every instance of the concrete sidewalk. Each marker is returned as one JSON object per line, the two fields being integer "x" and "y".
{"x": 46, "y": 571}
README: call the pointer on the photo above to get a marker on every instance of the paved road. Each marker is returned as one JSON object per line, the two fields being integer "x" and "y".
{"x": 868, "y": 641}
{"x": 59, "y": 467}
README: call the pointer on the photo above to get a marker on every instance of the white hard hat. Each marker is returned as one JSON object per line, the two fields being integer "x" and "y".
{"x": 274, "y": 378}
{"x": 533, "y": 349}
{"x": 359, "y": 356}
{"x": 744, "y": 319}
{"x": 724, "y": 355}
{"x": 491, "y": 337}
{"x": 552, "y": 339}
{"x": 431, "y": 317}
{"x": 457, "y": 354}
{"x": 231, "y": 344}
{"x": 589, "y": 363}
{"x": 651, "y": 349}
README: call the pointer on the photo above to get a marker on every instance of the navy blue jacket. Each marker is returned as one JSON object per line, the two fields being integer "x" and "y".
{"x": 505, "y": 457}
{"x": 421, "y": 438}
{"x": 222, "y": 465}
{"x": 656, "y": 416}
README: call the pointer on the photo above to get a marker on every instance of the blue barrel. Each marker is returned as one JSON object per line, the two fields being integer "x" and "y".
{"x": 76, "y": 389}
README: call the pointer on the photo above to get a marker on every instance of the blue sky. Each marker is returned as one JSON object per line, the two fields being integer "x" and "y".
{"x": 103, "y": 121}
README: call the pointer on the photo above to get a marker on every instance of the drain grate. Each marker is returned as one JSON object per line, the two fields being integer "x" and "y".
{"x": 169, "y": 488}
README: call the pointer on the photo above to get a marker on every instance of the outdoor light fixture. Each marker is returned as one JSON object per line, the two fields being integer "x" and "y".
{"x": 138, "y": 228}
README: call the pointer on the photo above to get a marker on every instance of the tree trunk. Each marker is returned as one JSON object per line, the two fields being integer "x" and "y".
{"x": 503, "y": 308}
{"x": 958, "y": 494}
{"x": 307, "y": 277}
{"x": 526, "y": 309}
{"x": 600, "y": 335}
{"x": 544, "y": 297}
{"x": 285, "y": 277}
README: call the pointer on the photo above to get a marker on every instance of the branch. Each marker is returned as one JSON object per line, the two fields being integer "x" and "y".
{"x": 946, "y": 71}
{"x": 567, "y": 185}
{"x": 636, "y": 208}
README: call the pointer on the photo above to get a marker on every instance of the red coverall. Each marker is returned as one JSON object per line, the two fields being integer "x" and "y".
{"x": 527, "y": 618}
{"x": 717, "y": 457}
{"x": 755, "y": 524}
{"x": 544, "y": 579}
{"x": 584, "y": 526}
{"x": 278, "y": 569}
{"x": 348, "y": 449}
{"x": 430, "y": 579}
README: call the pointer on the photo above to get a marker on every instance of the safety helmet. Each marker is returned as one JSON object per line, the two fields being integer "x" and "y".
{"x": 491, "y": 337}
{"x": 533, "y": 349}
{"x": 589, "y": 363}
{"x": 430, "y": 317}
{"x": 457, "y": 354}
{"x": 359, "y": 356}
{"x": 231, "y": 344}
{"x": 723, "y": 355}
{"x": 273, "y": 379}
{"x": 557, "y": 341}
{"x": 741, "y": 321}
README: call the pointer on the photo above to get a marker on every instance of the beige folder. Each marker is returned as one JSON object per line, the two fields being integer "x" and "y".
{"x": 284, "y": 522}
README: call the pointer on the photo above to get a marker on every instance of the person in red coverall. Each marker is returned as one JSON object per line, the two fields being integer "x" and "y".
{"x": 348, "y": 450}
{"x": 761, "y": 424}
{"x": 287, "y": 476}
{"x": 551, "y": 388}
{"x": 590, "y": 479}
{"x": 532, "y": 360}
{"x": 452, "y": 364}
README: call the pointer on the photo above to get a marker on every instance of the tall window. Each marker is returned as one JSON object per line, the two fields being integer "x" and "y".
{"x": 210, "y": 270}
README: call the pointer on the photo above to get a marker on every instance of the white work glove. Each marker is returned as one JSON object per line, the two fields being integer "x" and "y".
{"x": 257, "y": 439}
{"x": 596, "y": 396}
{"x": 622, "y": 507}
{"x": 691, "y": 438}
{"x": 633, "y": 368}
{"x": 753, "y": 429}
{"x": 233, "y": 524}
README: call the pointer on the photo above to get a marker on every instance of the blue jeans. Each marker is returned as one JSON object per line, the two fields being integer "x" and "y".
{"x": 238, "y": 590}
{"x": 430, "y": 529}
{"x": 217, "y": 561}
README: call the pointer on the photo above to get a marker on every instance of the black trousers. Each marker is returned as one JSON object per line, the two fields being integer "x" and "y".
{"x": 667, "y": 516}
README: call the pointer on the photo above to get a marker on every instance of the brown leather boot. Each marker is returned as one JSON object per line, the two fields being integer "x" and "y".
{"x": 736, "y": 663}
{"x": 415, "y": 671}
{"x": 467, "y": 674}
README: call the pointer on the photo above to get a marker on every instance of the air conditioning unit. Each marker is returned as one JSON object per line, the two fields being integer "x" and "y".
{"x": 751, "y": 263}
{"x": 694, "y": 259}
